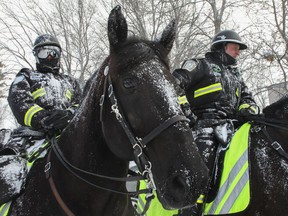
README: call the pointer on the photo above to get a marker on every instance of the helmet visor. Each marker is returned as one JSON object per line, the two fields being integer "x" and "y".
{"x": 45, "y": 51}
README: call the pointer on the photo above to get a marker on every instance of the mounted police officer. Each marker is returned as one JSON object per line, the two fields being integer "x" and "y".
{"x": 43, "y": 100}
{"x": 216, "y": 93}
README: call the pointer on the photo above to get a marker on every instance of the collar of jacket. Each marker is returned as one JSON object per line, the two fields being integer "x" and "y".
{"x": 221, "y": 57}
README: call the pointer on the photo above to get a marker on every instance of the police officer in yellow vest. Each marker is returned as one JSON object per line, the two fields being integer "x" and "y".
{"x": 216, "y": 92}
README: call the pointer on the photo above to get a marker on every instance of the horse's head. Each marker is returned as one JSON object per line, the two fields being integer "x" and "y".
{"x": 278, "y": 110}
{"x": 143, "y": 101}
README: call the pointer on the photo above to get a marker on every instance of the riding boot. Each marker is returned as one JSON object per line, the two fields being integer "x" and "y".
{"x": 4, "y": 137}
{"x": 15, "y": 146}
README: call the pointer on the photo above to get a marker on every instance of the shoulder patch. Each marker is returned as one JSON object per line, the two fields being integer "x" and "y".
{"x": 216, "y": 69}
{"x": 190, "y": 64}
{"x": 18, "y": 79}
{"x": 35, "y": 76}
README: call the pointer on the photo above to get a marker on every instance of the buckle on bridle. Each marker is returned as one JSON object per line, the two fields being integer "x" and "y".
{"x": 147, "y": 173}
{"x": 47, "y": 167}
{"x": 276, "y": 145}
{"x": 137, "y": 149}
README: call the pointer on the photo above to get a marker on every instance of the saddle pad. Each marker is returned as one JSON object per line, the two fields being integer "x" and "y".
{"x": 13, "y": 173}
{"x": 234, "y": 191}
{"x": 14, "y": 170}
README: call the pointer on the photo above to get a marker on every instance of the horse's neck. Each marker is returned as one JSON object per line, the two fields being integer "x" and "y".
{"x": 83, "y": 145}
{"x": 86, "y": 149}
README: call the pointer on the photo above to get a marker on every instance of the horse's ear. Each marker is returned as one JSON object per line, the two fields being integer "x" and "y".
{"x": 168, "y": 35}
{"x": 117, "y": 27}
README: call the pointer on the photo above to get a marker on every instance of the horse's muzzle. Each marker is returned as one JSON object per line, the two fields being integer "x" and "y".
{"x": 178, "y": 192}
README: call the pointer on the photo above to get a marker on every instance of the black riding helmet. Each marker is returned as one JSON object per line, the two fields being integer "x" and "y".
{"x": 224, "y": 37}
{"x": 47, "y": 52}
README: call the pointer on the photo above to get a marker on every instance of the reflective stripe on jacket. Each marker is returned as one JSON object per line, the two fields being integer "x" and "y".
{"x": 33, "y": 91}
{"x": 212, "y": 85}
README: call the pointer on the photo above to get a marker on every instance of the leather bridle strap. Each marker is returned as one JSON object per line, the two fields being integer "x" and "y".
{"x": 276, "y": 145}
{"x": 162, "y": 127}
{"x": 138, "y": 144}
{"x": 73, "y": 170}
{"x": 275, "y": 124}
{"x": 57, "y": 196}
{"x": 69, "y": 167}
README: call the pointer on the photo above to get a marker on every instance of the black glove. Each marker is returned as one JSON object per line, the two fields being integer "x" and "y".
{"x": 58, "y": 120}
{"x": 181, "y": 77}
{"x": 246, "y": 112}
{"x": 244, "y": 115}
{"x": 38, "y": 117}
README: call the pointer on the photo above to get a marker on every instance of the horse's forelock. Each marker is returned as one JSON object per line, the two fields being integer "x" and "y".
{"x": 135, "y": 50}
{"x": 149, "y": 55}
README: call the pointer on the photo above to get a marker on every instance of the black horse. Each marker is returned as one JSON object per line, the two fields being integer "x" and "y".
{"x": 268, "y": 169}
{"x": 130, "y": 112}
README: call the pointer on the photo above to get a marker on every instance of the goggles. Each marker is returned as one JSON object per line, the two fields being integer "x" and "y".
{"x": 45, "y": 51}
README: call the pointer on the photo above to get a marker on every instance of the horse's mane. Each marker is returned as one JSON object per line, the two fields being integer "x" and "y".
{"x": 134, "y": 50}
{"x": 278, "y": 109}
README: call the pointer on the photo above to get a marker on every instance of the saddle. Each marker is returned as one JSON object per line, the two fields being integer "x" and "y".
{"x": 18, "y": 150}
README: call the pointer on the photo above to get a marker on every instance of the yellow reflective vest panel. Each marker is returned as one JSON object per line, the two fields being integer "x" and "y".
{"x": 4, "y": 209}
{"x": 234, "y": 191}
{"x": 155, "y": 208}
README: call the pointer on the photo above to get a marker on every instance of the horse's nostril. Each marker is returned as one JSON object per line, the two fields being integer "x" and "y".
{"x": 178, "y": 187}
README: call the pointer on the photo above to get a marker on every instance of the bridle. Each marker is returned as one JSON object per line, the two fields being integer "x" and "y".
{"x": 275, "y": 123}
{"x": 140, "y": 158}
{"x": 138, "y": 144}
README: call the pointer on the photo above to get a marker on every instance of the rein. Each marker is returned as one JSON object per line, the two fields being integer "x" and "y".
{"x": 71, "y": 168}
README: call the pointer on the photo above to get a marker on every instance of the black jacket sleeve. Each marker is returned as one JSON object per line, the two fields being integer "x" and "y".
{"x": 246, "y": 100}
{"x": 20, "y": 98}
{"x": 76, "y": 95}
{"x": 191, "y": 72}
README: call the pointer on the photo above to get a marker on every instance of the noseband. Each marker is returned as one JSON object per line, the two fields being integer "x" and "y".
{"x": 138, "y": 144}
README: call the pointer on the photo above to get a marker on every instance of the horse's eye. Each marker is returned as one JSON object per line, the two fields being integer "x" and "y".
{"x": 129, "y": 83}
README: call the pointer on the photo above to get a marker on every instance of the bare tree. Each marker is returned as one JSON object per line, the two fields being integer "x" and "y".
{"x": 269, "y": 46}
{"x": 79, "y": 25}
{"x": 5, "y": 113}
{"x": 149, "y": 17}
{"x": 74, "y": 23}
